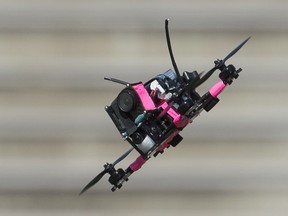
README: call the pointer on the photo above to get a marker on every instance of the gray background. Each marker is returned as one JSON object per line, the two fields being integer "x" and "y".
{"x": 55, "y": 134}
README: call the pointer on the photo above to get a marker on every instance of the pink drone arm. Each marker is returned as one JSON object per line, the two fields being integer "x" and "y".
{"x": 137, "y": 164}
{"x": 216, "y": 89}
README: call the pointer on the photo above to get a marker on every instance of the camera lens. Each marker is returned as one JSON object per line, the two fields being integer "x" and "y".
{"x": 126, "y": 100}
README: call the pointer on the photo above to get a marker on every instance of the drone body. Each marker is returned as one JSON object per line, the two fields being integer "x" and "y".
{"x": 151, "y": 115}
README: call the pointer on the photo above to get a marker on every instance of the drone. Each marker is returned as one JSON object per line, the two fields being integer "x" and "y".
{"x": 151, "y": 115}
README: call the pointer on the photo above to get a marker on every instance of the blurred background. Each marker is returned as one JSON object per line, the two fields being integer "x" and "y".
{"x": 55, "y": 135}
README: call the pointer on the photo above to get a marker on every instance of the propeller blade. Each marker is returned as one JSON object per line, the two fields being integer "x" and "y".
{"x": 217, "y": 66}
{"x": 122, "y": 157}
{"x": 235, "y": 50}
{"x": 201, "y": 73}
{"x": 205, "y": 77}
{"x": 106, "y": 170}
{"x": 190, "y": 86}
{"x": 94, "y": 181}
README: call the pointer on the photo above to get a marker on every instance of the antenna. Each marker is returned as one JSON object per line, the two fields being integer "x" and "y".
{"x": 116, "y": 81}
{"x": 170, "y": 48}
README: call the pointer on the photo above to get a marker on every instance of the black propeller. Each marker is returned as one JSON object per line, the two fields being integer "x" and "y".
{"x": 107, "y": 168}
{"x": 235, "y": 50}
{"x": 122, "y": 157}
{"x": 218, "y": 64}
